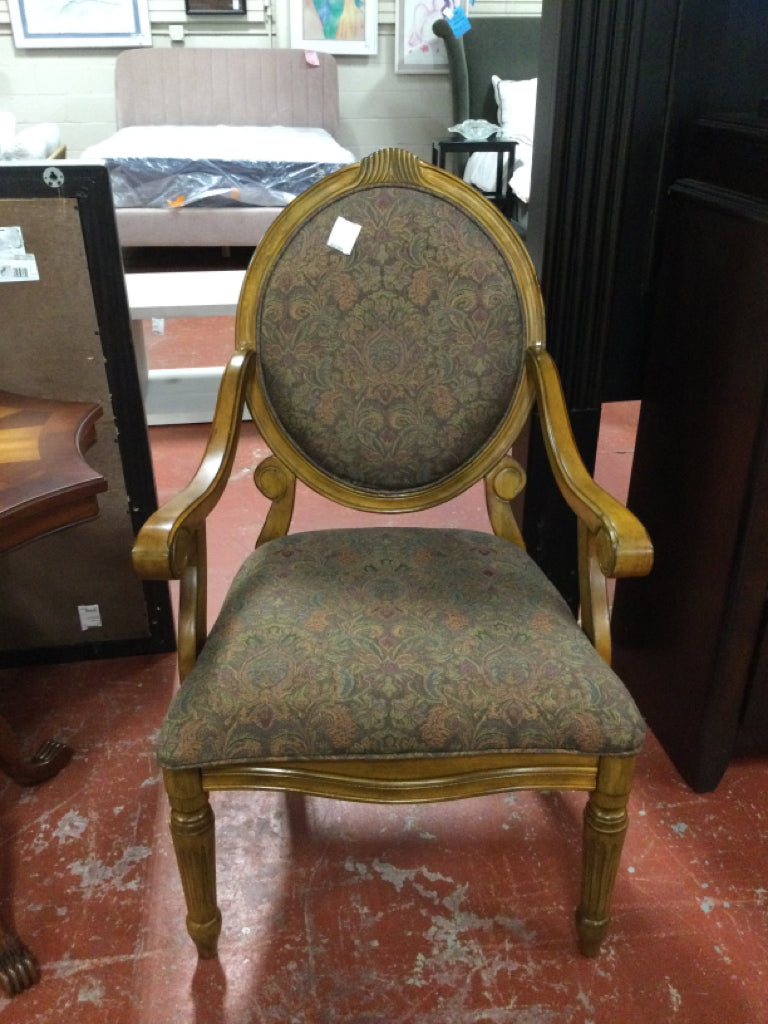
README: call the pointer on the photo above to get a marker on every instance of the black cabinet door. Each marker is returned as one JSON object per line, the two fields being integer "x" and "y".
{"x": 689, "y": 640}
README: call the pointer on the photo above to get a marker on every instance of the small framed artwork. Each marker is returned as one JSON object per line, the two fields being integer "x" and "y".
{"x": 215, "y": 6}
{"x": 418, "y": 51}
{"x": 59, "y": 23}
{"x": 335, "y": 26}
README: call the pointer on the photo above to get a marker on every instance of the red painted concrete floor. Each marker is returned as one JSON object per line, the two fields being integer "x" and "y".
{"x": 354, "y": 914}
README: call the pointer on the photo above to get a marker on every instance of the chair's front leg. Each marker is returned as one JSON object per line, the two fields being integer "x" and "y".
{"x": 605, "y": 826}
{"x": 192, "y": 830}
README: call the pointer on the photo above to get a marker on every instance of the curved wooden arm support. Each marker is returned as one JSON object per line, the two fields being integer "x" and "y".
{"x": 193, "y": 604}
{"x": 501, "y": 488}
{"x": 277, "y": 483}
{"x": 621, "y": 544}
{"x": 169, "y": 540}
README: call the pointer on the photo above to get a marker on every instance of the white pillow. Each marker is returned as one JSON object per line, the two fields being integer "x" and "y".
{"x": 517, "y": 107}
{"x": 7, "y": 133}
{"x": 35, "y": 142}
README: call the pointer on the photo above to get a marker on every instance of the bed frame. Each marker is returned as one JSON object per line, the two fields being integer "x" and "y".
{"x": 203, "y": 86}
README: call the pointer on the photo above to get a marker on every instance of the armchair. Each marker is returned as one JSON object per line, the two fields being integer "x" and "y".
{"x": 390, "y": 370}
{"x": 506, "y": 47}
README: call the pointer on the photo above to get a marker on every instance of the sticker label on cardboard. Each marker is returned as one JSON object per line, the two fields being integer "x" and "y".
{"x": 16, "y": 264}
{"x": 90, "y": 616}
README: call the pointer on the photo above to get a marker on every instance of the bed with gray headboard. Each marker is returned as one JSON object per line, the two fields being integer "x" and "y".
{"x": 212, "y": 143}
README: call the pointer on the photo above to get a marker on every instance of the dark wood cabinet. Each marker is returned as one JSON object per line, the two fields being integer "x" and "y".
{"x": 620, "y": 83}
{"x": 691, "y": 639}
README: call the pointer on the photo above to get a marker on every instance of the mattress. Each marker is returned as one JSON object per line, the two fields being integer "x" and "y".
{"x": 171, "y": 166}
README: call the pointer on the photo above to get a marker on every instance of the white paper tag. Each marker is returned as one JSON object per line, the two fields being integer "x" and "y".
{"x": 15, "y": 263}
{"x": 11, "y": 241}
{"x": 344, "y": 235}
{"x": 90, "y": 616}
{"x": 18, "y": 268}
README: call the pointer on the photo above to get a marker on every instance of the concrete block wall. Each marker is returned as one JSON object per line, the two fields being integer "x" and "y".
{"x": 74, "y": 87}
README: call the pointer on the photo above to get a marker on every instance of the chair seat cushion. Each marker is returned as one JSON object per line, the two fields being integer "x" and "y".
{"x": 394, "y": 642}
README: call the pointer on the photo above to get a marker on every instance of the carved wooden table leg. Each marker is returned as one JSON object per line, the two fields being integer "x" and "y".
{"x": 45, "y": 485}
{"x": 18, "y": 967}
{"x": 47, "y": 762}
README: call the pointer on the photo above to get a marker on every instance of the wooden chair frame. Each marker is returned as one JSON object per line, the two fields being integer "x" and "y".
{"x": 172, "y": 545}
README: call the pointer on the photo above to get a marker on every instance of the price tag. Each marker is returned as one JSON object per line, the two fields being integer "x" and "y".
{"x": 459, "y": 22}
{"x": 90, "y": 616}
{"x": 343, "y": 235}
{"x": 16, "y": 264}
{"x": 18, "y": 268}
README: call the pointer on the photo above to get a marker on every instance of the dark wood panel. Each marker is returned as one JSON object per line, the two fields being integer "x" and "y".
{"x": 620, "y": 84}
{"x": 685, "y": 636}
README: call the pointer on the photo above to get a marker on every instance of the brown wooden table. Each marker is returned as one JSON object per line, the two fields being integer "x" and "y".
{"x": 45, "y": 485}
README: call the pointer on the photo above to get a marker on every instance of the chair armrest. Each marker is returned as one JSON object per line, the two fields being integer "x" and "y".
{"x": 457, "y": 68}
{"x": 623, "y": 547}
{"x": 167, "y": 538}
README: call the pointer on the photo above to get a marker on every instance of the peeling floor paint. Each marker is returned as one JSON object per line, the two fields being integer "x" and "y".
{"x": 91, "y": 992}
{"x": 95, "y": 875}
{"x": 71, "y": 826}
{"x": 675, "y": 999}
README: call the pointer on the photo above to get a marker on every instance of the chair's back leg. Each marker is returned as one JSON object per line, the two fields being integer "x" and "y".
{"x": 605, "y": 826}
{"x": 192, "y": 830}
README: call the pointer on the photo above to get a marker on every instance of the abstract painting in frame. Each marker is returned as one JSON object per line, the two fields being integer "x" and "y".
{"x": 61, "y": 23}
{"x": 335, "y": 26}
{"x": 418, "y": 51}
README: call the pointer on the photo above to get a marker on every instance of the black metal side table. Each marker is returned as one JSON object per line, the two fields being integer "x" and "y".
{"x": 458, "y": 144}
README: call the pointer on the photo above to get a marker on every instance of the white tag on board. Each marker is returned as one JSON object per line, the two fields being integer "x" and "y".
{"x": 343, "y": 235}
{"x": 90, "y": 616}
{"x": 16, "y": 264}
{"x": 18, "y": 268}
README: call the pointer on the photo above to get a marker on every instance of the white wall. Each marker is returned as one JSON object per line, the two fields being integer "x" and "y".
{"x": 74, "y": 87}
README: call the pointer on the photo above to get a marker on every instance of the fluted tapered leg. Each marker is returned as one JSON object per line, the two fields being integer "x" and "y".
{"x": 192, "y": 829}
{"x": 605, "y": 826}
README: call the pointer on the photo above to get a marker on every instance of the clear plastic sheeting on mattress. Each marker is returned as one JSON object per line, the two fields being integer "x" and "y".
{"x": 175, "y": 183}
{"x": 178, "y": 166}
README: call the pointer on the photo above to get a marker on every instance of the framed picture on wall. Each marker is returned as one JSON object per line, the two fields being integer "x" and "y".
{"x": 215, "y": 6}
{"x": 418, "y": 51}
{"x": 335, "y": 26}
{"x": 61, "y": 23}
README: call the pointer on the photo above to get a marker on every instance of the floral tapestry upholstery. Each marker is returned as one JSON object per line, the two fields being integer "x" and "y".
{"x": 395, "y": 642}
{"x": 392, "y": 366}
